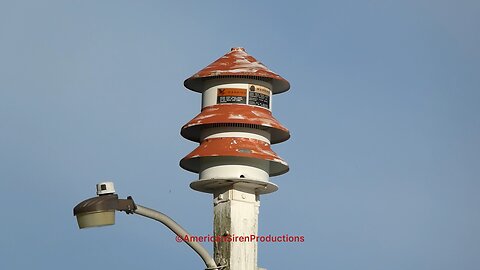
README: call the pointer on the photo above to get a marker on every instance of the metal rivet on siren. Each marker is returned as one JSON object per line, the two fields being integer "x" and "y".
{"x": 235, "y": 127}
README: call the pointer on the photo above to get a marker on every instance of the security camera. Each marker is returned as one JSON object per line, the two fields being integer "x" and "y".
{"x": 104, "y": 188}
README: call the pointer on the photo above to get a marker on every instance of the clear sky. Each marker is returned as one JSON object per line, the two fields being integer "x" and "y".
{"x": 384, "y": 113}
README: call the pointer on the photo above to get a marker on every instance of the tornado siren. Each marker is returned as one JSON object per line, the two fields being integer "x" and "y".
{"x": 235, "y": 127}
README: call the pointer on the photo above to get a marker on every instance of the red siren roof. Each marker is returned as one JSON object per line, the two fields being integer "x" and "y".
{"x": 235, "y": 115}
{"x": 237, "y": 63}
{"x": 219, "y": 148}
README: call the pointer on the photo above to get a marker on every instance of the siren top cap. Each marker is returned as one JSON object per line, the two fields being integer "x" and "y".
{"x": 237, "y": 64}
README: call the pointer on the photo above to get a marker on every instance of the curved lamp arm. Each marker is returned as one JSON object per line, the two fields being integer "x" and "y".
{"x": 179, "y": 231}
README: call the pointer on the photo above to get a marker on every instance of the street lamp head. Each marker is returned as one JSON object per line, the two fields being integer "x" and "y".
{"x": 100, "y": 211}
{"x": 96, "y": 211}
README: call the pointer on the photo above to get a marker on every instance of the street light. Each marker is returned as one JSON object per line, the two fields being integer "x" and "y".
{"x": 100, "y": 211}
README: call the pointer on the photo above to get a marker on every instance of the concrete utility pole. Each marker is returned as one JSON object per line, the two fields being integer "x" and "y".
{"x": 234, "y": 160}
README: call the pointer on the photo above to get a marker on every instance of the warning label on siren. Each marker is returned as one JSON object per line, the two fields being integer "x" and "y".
{"x": 231, "y": 95}
{"x": 259, "y": 96}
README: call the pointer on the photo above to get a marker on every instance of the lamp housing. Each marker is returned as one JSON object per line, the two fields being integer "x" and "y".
{"x": 100, "y": 211}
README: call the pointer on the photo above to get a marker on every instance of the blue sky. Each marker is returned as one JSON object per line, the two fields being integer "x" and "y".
{"x": 383, "y": 110}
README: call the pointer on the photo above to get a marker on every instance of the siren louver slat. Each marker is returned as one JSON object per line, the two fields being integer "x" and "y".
{"x": 234, "y": 147}
{"x": 235, "y": 115}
